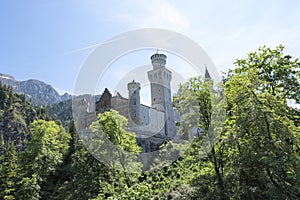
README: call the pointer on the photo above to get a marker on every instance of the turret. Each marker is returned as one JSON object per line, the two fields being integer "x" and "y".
{"x": 134, "y": 103}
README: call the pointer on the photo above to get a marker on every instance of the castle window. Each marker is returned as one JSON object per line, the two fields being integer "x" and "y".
{"x": 154, "y": 99}
{"x": 134, "y": 103}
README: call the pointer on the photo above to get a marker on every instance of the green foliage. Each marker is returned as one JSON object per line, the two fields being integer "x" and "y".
{"x": 61, "y": 111}
{"x": 256, "y": 154}
{"x": 91, "y": 178}
{"x": 8, "y": 173}
{"x": 112, "y": 124}
{"x": 45, "y": 153}
{"x": 29, "y": 188}
{"x": 279, "y": 74}
{"x": 113, "y": 143}
{"x": 194, "y": 104}
{"x": 46, "y": 149}
{"x": 85, "y": 172}
{"x": 200, "y": 106}
{"x": 16, "y": 114}
{"x": 263, "y": 142}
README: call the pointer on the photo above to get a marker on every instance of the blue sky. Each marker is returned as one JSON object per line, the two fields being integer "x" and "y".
{"x": 49, "y": 40}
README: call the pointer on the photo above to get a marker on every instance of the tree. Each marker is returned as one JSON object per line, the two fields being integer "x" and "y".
{"x": 262, "y": 140}
{"x": 256, "y": 155}
{"x": 85, "y": 173}
{"x": 89, "y": 177}
{"x": 120, "y": 156}
{"x": 61, "y": 111}
{"x": 15, "y": 117}
{"x": 279, "y": 74}
{"x": 29, "y": 188}
{"x": 111, "y": 126}
{"x": 45, "y": 153}
{"x": 201, "y": 108}
{"x": 8, "y": 173}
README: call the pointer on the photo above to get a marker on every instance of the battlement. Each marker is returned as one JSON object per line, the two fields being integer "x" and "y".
{"x": 158, "y": 60}
{"x": 133, "y": 86}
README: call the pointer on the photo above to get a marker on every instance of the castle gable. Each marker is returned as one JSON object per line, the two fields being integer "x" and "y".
{"x": 104, "y": 103}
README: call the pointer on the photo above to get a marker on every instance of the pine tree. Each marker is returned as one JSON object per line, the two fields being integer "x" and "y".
{"x": 8, "y": 173}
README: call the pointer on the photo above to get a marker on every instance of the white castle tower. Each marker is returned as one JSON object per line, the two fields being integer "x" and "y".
{"x": 134, "y": 103}
{"x": 160, "y": 79}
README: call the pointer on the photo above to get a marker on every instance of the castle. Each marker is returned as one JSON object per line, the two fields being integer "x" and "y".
{"x": 152, "y": 125}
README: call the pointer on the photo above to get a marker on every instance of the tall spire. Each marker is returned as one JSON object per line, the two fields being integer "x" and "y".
{"x": 207, "y": 75}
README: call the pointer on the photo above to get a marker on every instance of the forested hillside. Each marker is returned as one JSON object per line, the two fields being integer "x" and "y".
{"x": 61, "y": 111}
{"x": 256, "y": 153}
{"x": 16, "y": 114}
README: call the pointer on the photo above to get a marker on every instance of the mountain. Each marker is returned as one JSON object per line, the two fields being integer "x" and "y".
{"x": 37, "y": 91}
